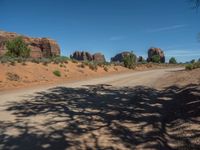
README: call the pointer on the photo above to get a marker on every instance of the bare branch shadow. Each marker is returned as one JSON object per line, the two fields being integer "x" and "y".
{"x": 103, "y": 117}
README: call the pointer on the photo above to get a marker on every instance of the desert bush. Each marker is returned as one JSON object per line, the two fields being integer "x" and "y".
{"x": 17, "y": 48}
{"x": 196, "y": 65}
{"x": 156, "y": 58}
{"x": 93, "y": 66}
{"x": 57, "y": 73}
{"x": 189, "y": 67}
{"x": 105, "y": 68}
{"x": 172, "y": 60}
{"x": 20, "y": 59}
{"x": 13, "y": 76}
{"x": 86, "y": 63}
{"x": 45, "y": 61}
{"x": 35, "y": 60}
{"x": 192, "y": 66}
{"x": 74, "y": 61}
{"x": 82, "y": 65}
{"x": 61, "y": 59}
{"x": 12, "y": 62}
{"x": 130, "y": 61}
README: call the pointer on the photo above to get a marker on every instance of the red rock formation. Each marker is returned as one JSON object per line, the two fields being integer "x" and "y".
{"x": 82, "y": 56}
{"x": 119, "y": 57}
{"x": 98, "y": 57}
{"x": 156, "y": 51}
{"x": 86, "y": 56}
{"x": 40, "y": 47}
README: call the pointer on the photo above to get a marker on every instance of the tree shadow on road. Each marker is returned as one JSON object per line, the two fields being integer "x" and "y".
{"x": 104, "y": 117}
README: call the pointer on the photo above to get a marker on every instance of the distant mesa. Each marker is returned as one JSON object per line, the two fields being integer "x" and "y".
{"x": 120, "y": 56}
{"x": 40, "y": 47}
{"x": 155, "y": 51}
{"x": 86, "y": 56}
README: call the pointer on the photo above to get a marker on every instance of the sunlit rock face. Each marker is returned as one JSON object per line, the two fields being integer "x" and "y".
{"x": 120, "y": 56}
{"x": 156, "y": 51}
{"x": 40, "y": 47}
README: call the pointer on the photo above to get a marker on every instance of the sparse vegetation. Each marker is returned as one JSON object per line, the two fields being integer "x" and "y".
{"x": 192, "y": 66}
{"x": 82, "y": 65}
{"x": 74, "y": 61}
{"x": 93, "y": 66}
{"x": 105, "y": 68}
{"x": 13, "y": 76}
{"x": 156, "y": 59}
{"x": 130, "y": 61}
{"x": 172, "y": 60}
{"x": 17, "y": 48}
{"x": 61, "y": 59}
{"x": 57, "y": 73}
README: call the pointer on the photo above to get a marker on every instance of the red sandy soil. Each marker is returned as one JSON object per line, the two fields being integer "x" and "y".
{"x": 34, "y": 74}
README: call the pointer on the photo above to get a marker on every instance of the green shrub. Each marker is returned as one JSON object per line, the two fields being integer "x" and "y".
{"x": 172, "y": 60}
{"x": 196, "y": 65}
{"x": 61, "y": 59}
{"x": 35, "y": 60}
{"x": 189, "y": 67}
{"x": 130, "y": 61}
{"x": 17, "y": 48}
{"x": 57, "y": 73}
{"x": 192, "y": 66}
{"x": 93, "y": 66}
{"x": 156, "y": 58}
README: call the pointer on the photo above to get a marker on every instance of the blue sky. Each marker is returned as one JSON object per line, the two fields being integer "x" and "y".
{"x": 108, "y": 26}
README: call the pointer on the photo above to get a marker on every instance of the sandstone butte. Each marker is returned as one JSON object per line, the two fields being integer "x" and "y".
{"x": 40, "y": 47}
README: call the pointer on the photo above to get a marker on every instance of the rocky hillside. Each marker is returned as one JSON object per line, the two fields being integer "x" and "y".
{"x": 40, "y": 47}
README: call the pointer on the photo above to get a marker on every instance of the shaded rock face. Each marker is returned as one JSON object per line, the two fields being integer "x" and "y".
{"x": 86, "y": 56}
{"x": 156, "y": 51}
{"x": 98, "y": 57}
{"x": 119, "y": 57}
{"x": 40, "y": 47}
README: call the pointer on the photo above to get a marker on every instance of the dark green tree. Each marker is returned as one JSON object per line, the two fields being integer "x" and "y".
{"x": 172, "y": 60}
{"x": 17, "y": 48}
{"x": 130, "y": 60}
{"x": 156, "y": 58}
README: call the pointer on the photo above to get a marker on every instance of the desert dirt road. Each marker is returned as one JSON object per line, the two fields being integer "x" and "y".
{"x": 122, "y": 111}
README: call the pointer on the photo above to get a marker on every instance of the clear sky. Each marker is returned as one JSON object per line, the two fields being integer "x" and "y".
{"x": 108, "y": 26}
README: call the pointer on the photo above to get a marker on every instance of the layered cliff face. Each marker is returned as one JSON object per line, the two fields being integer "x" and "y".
{"x": 40, "y": 47}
